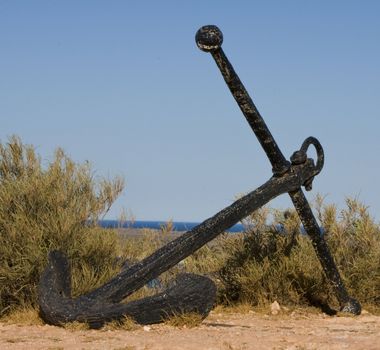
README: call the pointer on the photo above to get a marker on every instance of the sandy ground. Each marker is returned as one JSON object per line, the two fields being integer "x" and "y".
{"x": 218, "y": 331}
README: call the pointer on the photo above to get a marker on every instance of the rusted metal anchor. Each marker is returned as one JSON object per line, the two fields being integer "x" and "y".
{"x": 189, "y": 292}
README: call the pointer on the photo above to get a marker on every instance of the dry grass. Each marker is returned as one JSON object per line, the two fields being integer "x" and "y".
{"x": 126, "y": 324}
{"x": 27, "y": 316}
{"x": 185, "y": 320}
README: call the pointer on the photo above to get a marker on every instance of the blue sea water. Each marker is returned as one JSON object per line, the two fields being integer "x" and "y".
{"x": 179, "y": 226}
{"x": 156, "y": 225}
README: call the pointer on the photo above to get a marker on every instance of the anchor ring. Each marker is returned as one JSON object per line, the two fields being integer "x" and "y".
{"x": 319, "y": 149}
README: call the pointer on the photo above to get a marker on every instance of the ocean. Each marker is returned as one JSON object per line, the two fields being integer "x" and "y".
{"x": 179, "y": 226}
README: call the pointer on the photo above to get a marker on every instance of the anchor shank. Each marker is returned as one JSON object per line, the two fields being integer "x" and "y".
{"x": 254, "y": 119}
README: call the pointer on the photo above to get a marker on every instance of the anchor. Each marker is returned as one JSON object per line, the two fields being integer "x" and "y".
{"x": 191, "y": 292}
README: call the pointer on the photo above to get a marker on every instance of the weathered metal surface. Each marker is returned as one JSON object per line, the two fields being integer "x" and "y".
{"x": 191, "y": 292}
{"x": 187, "y": 293}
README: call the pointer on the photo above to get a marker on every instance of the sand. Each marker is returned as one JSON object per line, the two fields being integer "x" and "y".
{"x": 219, "y": 331}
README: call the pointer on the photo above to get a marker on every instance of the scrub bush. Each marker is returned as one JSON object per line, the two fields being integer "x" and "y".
{"x": 51, "y": 207}
{"x": 267, "y": 265}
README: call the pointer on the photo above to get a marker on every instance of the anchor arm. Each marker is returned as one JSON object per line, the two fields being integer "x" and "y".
{"x": 209, "y": 39}
{"x": 138, "y": 275}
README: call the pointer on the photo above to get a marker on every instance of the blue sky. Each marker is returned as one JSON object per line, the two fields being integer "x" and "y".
{"x": 123, "y": 85}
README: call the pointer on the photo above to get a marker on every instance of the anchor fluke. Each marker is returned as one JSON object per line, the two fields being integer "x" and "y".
{"x": 187, "y": 293}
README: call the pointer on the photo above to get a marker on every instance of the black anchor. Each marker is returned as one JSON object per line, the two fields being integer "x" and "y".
{"x": 190, "y": 292}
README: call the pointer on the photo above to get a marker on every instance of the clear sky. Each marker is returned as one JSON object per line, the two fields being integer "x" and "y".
{"x": 123, "y": 85}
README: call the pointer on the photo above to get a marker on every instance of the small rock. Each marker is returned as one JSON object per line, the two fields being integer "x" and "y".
{"x": 275, "y": 308}
{"x": 364, "y": 312}
{"x": 147, "y": 328}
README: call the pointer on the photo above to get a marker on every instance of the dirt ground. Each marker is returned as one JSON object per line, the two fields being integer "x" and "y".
{"x": 218, "y": 331}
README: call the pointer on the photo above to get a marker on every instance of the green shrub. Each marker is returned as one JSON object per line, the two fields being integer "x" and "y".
{"x": 265, "y": 266}
{"x": 51, "y": 207}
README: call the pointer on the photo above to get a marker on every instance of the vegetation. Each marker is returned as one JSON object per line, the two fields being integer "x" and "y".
{"x": 57, "y": 206}
{"x": 126, "y": 323}
{"x": 265, "y": 263}
{"x": 267, "y": 266}
{"x": 26, "y": 316}
{"x": 51, "y": 207}
{"x": 185, "y": 320}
